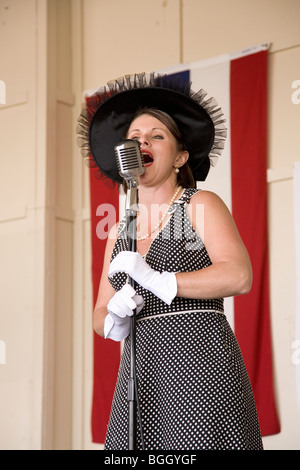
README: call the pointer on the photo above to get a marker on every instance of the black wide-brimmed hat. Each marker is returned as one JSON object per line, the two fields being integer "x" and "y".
{"x": 108, "y": 113}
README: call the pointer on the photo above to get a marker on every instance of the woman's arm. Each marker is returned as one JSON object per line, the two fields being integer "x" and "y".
{"x": 230, "y": 273}
{"x": 106, "y": 291}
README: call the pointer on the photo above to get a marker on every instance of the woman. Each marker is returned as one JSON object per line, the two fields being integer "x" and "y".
{"x": 193, "y": 387}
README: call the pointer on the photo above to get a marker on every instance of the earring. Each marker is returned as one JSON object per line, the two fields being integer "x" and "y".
{"x": 176, "y": 170}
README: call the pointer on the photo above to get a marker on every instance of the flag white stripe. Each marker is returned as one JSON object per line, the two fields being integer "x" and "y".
{"x": 213, "y": 75}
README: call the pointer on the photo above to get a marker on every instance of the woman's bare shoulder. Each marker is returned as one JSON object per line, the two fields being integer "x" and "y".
{"x": 209, "y": 199}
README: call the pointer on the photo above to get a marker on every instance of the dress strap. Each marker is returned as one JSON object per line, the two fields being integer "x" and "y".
{"x": 184, "y": 199}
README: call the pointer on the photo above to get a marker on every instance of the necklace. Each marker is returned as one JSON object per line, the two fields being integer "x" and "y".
{"x": 144, "y": 237}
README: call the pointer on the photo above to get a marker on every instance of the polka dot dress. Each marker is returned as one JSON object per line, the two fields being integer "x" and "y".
{"x": 193, "y": 388}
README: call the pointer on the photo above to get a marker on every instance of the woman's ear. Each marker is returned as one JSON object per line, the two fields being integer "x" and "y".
{"x": 181, "y": 159}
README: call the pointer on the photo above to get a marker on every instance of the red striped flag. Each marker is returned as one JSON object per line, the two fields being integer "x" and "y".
{"x": 106, "y": 352}
{"x": 248, "y": 127}
{"x": 239, "y": 84}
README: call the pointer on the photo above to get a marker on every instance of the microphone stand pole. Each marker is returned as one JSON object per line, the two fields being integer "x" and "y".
{"x": 131, "y": 215}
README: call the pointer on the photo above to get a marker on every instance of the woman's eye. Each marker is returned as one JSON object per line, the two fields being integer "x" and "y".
{"x": 158, "y": 137}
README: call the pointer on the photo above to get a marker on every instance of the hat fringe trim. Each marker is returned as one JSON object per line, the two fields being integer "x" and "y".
{"x": 144, "y": 80}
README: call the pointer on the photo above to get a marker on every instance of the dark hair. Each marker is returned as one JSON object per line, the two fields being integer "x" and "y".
{"x": 185, "y": 176}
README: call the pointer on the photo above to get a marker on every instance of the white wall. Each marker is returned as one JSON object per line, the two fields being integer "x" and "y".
{"x": 36, "y": 224}
{"x": 51, "y": 51}
{"x": 22, "y": 228}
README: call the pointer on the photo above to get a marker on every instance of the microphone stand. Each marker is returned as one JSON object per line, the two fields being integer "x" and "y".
{"x": 131, "y": 215}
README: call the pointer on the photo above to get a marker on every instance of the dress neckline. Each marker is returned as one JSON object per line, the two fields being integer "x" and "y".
{"x": 171, "y": 212}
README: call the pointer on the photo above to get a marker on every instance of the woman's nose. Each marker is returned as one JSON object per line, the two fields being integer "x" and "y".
{"x": 144, "y": 140}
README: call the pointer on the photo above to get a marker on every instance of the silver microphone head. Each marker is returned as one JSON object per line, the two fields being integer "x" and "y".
{"x": 130, "y": 160}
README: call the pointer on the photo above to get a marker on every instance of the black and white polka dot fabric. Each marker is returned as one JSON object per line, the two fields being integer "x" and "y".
{"x": 193, "y": 388}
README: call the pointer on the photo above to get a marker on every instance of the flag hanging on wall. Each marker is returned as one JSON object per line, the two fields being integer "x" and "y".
{"x": 239, "y": 84}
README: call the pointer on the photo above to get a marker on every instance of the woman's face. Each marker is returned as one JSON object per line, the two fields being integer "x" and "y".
{"x": 158, "y": 146}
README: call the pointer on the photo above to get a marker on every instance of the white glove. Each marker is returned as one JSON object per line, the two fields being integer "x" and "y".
{"x": 163, "y": 285}
{"x": 120, "y": 309}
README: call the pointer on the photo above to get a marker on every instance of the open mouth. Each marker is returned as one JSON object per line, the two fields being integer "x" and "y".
{"x": 148, "y": 159}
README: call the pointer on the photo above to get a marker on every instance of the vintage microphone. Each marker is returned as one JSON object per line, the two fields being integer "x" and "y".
{"x": 131, "y": 165}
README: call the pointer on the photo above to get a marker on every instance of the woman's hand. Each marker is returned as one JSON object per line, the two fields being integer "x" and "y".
{"x": 120, "y": 308}
{"x": 163, "y": 285}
